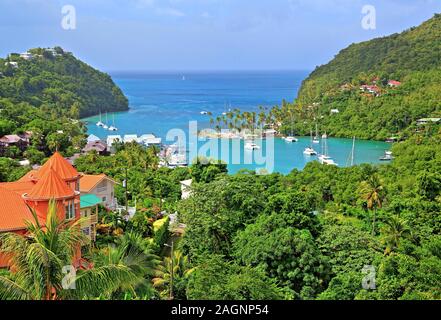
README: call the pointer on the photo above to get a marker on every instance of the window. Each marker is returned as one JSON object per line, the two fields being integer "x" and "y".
{"x": 102, "y": 187}
{"x": 70, "y": 210}
{"x": 86, "y": 231}
{"x": 104, "y": 199}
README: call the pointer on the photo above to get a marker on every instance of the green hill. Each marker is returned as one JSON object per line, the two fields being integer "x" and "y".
{"x": 412, "y": 57}
{"x": 54, "y": 79}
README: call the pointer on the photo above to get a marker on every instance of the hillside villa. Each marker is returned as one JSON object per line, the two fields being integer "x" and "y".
{"x": 56, "y": 180}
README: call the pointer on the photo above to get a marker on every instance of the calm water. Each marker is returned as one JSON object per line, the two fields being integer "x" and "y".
{"x": 160, "y": 102}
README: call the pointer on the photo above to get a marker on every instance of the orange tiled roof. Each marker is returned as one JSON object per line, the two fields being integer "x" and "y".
{"x": 30, "y": 176}
{"x": 13, "y": 211}
{"x": 63, "y": 168}
{"x": 50, "y": 186}
{"x": 19, "y": 187}
{"x": 89, "y": 181}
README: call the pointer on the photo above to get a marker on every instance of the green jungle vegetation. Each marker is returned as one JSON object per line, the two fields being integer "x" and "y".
{"x": 311, "y": 234}
{"x": 412, "y": 57}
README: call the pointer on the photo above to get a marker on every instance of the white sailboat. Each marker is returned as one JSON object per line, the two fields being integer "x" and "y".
{"x": 105, "y": 126}
{"x": 350, "y": 161}
{"x": 309, "y": 151}
{"x": 316, "y": 137}
{"x": 325, "y": 158}
{"x": 291, "y": 138}
{"x": 100, "y": 123}
{"x": 112, "y": 127}
{"x": 251, "y": 146}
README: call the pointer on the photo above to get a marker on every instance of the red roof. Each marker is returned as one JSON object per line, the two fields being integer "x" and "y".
{"x": 19, "y": 187}
{"x": 394, "y": 83}
{"x": 13, "y": 211}
{"x": 50, "y": 186}
{"x": 63, "y": 168}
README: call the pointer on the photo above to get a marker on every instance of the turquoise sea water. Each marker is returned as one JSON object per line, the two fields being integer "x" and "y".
{"x": 163, "y": 101}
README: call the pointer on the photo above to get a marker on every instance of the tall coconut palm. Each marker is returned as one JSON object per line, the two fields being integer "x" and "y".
{"x": 180, "y": 268}
{"x": 132, "y": 251}
{"x": 40, "y": 258}
{"x": 372, "y": 191}
{"x": 395, "y": 229}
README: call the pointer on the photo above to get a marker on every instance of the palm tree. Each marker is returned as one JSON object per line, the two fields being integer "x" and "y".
{"x": 39, "y": 260}
{"x": 131, "y": 251}
{"x": 395, "y": 229}
{"x": 372, "y": 191}
{"x": 179, "y": 267}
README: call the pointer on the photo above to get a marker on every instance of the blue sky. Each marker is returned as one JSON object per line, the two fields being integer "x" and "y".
{"x": 203, "y": 34}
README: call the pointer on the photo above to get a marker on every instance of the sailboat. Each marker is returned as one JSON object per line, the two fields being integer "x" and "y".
{"x": 100, "y": 123}
{"x": 316, "y": 138}
{"x": 350, "y": 161}
{"x": 112, "y": 127}
{"x": 324, "y": 158}
{"x": 291, "y": 138}
{"x": 105, "y": 126}
{"x": 309, "y": 151}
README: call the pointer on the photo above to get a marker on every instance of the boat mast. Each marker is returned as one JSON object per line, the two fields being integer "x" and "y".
{"x": 353, "y": 151}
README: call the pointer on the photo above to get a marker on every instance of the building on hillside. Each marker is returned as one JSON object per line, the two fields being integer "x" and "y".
{"x": 111, "y": 140}
{"x": 335, "y": 111}
{"x": 93, "y": 138}
{"x": 149, "y": 140}
{"x": 425, "y": 121}
{"x": 101, "y": 186}
{"x": 27, "y": 56}
{"x": 186, "y": 189}
{"x": 19, "y": 141}
{"x": 89, "y": 212}
{"x": 56, "y": 180}
{"x": 394, "y": 83}
{"x": 99, "y": 146}
{"x": 128, "y": 138}
{"x": 13, "y": 64}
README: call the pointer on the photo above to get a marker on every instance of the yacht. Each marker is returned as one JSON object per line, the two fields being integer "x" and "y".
{"x": 316, "y": 137}
{"x": 387, "y": 156}
{"x": 112, "y": 127}
{"x": 310, "y": 151}
{"x": 251, "y": 146}
{"x": 105, "y": 126}
{"x": 291, "y": 139}
{"x": 204, "y": 113}
{"x": 325, "y": 158}
{"x": 100, "y": 123}
{"x": 324, "y": 136}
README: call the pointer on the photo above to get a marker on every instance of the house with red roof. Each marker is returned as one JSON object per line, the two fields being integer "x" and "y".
{"x": 56, "y": 180}
{"x": 394, "y": 83}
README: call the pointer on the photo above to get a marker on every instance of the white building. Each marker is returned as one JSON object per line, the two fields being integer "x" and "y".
{"x": 93, "y": 138}
{"x": 186, "y": 189}
{"x": 111, "y": 140}
{"x": 12, "y": 63}
{"x": 335, "y": 111}
{"x": 27, "y": 56}
{"x": 149, "y": 140}
{"x": 130, "y": 138}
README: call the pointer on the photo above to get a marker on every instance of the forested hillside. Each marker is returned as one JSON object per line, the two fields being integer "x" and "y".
{"x": 379, "y": 87}
{"x": 53, "y": 79}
